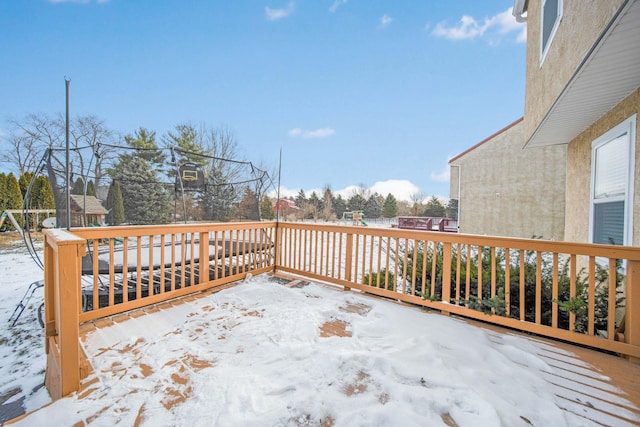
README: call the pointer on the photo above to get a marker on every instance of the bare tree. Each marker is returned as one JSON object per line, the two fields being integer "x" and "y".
{"x": 417, "y": 199}
{"x": 28, "y": 139}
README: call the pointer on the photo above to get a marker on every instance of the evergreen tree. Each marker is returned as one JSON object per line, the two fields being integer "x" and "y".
{"x": 452, "y": 209}
{"x": 91, "y": 189}
{"x": 24, "y": 181}
{"x": 11, "y": 198}
{"x": 356, "y": 203}
{"x": 218, "y": 198}
{"x": 301, "y": 198}
{"x": 434, "y": 208}
{"x": 145, "y": 140}
{"x": 41, "y": 196}
{"x": 248, "y": 206}
{"x": 328, "y": 213}
{"x": 390, "y": 207}
{"x": 315, "y": 201}
{"x": 144, "y": 198}
{"x": 339, "y": 206}
{"x": 373, "y": 207}
{"x": 185, "y": 138}
{"x": 78, "y": 186}
{"x": 115, "y": 205}
{"x": 3, "y": 191}
{"x": 266, "y": 208}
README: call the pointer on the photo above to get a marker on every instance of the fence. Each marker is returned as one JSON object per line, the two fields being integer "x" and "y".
{"x": 582, "y": 293}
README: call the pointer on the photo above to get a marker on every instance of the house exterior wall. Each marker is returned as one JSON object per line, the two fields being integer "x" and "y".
{"x": 580, "y": 26}
{"x": 579, "y": 172}
{"x": 508, "y": 191}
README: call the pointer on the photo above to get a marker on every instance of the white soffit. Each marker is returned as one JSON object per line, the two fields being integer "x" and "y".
{"x": 608, "y": 75}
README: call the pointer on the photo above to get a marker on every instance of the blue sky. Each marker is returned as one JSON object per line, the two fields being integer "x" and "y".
{"x": 354, "y": 92}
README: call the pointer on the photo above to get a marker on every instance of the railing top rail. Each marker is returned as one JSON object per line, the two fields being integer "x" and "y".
{"x": 631, "y": 253}
{"x": 145, "y": 230}
{"x": 61, "y": 237}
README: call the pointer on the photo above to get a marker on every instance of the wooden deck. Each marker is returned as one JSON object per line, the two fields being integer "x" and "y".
{"x": 603, "y": 388}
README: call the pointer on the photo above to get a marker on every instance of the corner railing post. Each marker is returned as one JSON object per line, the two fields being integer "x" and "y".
{"x": 63, "y": 271}
{"x": 632, "y": 306}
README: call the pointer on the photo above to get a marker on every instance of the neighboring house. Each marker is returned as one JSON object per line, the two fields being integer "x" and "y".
{"x": 582, "y": 93}
{"x": 86, "y": 210}
{"x": 284, "y": 208}
{"x": 503, "y": 190}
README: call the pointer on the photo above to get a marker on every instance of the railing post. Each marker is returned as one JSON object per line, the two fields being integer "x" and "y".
{"x": 279, "y": 247}
{"x": 348, "y": 259}
{"x": 203, "y": 265}
{"x": 632, "y": 306}
{"x": 446, "y": 272}
{"x": 63, "y": 258}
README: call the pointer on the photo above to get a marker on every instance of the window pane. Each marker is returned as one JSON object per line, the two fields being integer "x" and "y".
{"x": 549, "y": 17}
{"x": 611, "y": 168}
{"x": 608, "y": 223}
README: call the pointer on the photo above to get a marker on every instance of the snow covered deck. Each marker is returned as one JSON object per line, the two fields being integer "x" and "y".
{"x": 272, "y": 352}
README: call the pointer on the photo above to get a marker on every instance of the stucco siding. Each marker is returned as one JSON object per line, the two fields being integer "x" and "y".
{"x": 579, "y": 172}
{"x": 581, "y": 24}
{"x": 508, "y": 191}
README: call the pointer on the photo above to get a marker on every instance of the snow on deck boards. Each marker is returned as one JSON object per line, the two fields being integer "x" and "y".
{"x": 264, "y": 353}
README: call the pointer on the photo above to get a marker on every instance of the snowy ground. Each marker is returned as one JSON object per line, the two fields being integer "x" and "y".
{"x": 264, "y": 354}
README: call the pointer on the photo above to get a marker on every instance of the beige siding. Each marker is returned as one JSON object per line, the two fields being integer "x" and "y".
{"x": 581, "y": 24}
{"x": 579, "y": 172}
{"x": 508, "y": 191}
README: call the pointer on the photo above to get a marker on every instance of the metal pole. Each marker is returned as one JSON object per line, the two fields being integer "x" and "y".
{"x": 278, "y": 192}
{"x": 66, "y": 131}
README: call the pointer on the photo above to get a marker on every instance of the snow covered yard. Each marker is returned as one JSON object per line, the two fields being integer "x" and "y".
{"x": 266, "y": 354}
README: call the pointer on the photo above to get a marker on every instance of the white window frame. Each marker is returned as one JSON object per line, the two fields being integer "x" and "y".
{"x": 545, "y": 48}
{"x": 628, "y": 126}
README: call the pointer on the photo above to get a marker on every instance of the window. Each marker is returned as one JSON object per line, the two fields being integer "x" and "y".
{"x": 551, "y": 14}
{"x": 612, "y": 161}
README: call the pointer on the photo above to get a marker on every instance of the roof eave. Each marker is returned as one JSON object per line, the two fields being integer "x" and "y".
{"x": 592, "y": 90}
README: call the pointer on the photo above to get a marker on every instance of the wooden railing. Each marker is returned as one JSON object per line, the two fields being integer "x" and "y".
{"x": 97, "y": 272}
{"x": 581, "y": 293}
{"x": 585, "y": 294}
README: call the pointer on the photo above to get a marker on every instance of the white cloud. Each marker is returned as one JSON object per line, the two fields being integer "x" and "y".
{"x": 401, "y": 189}
{"x": 275, "y": 14}
{"x": 307, "y": 134}
{"x": 336, "y": 4}
{"x": 468, "y": 28}
{"x": 442, "y": 176}
{"x": 385, "y": 21}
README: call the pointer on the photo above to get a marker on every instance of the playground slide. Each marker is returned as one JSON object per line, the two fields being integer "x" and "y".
{"x": 364, "y": 223}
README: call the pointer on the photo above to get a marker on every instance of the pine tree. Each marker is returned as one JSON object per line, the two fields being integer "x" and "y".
{"x": 434, "y": 208}
{"x": 115, "y": 205}
{"x": 41, "y": 196}
{"x": 266, "y": 208}
{"x": 144, "y": 198}
{"x": 300, "y": 199}
{"x": 91, "y": 189}
{"x": 24, "y": 181}
{"x": 373, "y": 207}
{"x": 356, "y": 203}
{"x": 248, "y": 206}
{"x": 78, "y": 186}
{"x": 339, "y": 206}
{"x": 390, "y": 207}
{"x": 12, "y": 198}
